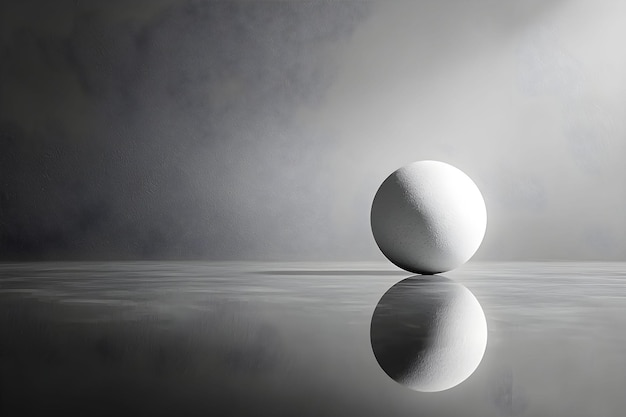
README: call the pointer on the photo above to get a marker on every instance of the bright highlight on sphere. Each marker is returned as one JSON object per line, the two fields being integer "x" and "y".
{"x": 428, "y": 333}
{"x": 428, "y": 217}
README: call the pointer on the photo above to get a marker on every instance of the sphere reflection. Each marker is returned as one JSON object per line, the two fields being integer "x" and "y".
{"x": 428, "y": 333}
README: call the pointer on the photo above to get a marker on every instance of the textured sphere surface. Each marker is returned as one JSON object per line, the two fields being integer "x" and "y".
{"x": 428, "y": 333}
{"x": 428, "y": 217}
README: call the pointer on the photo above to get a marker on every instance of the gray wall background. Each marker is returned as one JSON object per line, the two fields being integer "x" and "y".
{"x": 261, "y": 130}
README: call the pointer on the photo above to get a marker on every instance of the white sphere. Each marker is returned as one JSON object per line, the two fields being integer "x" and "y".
{"x": 428, "y": 217}
{"x": 428, "y": 333}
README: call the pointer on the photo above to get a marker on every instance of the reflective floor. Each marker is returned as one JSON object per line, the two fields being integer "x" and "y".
{"x": 296, "y": 339}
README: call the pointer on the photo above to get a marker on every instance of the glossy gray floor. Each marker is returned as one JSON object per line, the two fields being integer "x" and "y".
{"x": 252, "y": 339}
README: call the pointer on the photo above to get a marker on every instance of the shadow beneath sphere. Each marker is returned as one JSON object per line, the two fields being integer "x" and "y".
{"x": 338, "y": 272}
